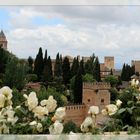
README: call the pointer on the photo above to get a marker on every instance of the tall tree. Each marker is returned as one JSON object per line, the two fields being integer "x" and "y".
{"x": 66, "y": 71}
{"x": 77, "y": 91}
{"x": 30, "y": 64}
{"x": 74, "y": 67}
{"x": 96, "y": 70}
{"x": 3, "y": 59}
{"x": 81, "y": 67}
{"x": 38, "y": 65}
{"x": 45, "y": 57}
{"x": 89, "y": 65}
{"x": 127, "y": 72}
{"x": 58, "y": 66}
{"x": 47, "y": 72}
{"x": 15, "y": 74}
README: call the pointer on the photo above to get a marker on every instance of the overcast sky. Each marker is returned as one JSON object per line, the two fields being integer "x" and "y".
{"x": 73, "y": 30}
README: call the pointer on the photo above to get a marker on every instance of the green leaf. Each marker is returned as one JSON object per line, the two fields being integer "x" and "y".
{"x": 138, "y": 119}
{"x": 129, "y": 110}
{"x": 120, "y": 111}
{"x": 130, "y": 103}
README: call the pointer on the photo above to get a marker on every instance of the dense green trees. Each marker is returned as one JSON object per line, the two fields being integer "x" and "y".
{"x": 58, "y": 66}
{"x": 30, "y": 65}
{"x": 66, "y": 71}
{"x": 15, "y": 73}
{"x": 47, "y": 72}
{"x": 38, "y": 65}
{"x": 77, "y": 90}
{"x": 92, "y": 66}
{"x": 74, "y": 67}
{"x": 127, "y": 72}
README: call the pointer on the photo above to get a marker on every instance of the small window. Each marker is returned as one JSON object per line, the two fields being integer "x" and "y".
{"x": 88, "y": 100}
{"x": 102, "y": 101}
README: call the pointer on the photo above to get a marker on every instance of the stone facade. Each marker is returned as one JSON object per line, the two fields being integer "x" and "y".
{"x": 136, "y": 63}
{"x": 107, "y": 66}
{"x": 93, "y": 94}
{"x": 109, "y": 62}
{"x": 3, "y": 40}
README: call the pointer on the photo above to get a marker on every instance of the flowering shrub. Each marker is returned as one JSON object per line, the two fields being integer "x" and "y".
{"x": 89, "y": 125}
{"x": 125, "y": 114}
{"x": 30, "y": 117}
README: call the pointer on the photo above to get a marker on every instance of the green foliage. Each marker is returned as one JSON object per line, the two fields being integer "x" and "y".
{"x": 112, "y": 80}
{"x": 127, "y": 72}
{"x": 92, "y": 66}
{"x": 17, "y": 97}
{"x": 81, "y": 67}
{"x": 114, "y": 94}
{"x": 4, "y": 55}
{"x": 44, "y": 94}
{"x": 38, "y": 64}
{"x": 77, "y": 90}
{"x": 58, "y": 84}
{"x": 96, "y": 70}
{"x": 74, "y": 67}
{"x": 70, "y": 126}
{"x": 15, "y": 74}
{"x": 31, "y": 78}
{"x": 66, "y": 71}
{"x": 88, "y": 78}
{"x": 47, "y": 72}
{"x": 30, "y": 64}
{"x": 58, "y": 66}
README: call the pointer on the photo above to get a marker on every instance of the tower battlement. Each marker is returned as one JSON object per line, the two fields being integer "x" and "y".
{"x": 96, "y": 86}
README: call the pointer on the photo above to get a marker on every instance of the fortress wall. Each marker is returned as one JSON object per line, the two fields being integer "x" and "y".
{"x": 76, "y": 113}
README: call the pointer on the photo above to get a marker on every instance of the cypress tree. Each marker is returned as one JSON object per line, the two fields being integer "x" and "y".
{"x": 96, "y": 70}
{"x": 30, "y": 64}
{"x": 47, "y": 72}
{"x": 77, "y": 91}
{"x": 38, "y": 66}
{"x": 81, "y": 67}
{"x": 74, "y": 67}
{"x": 58, "y": 66}
{"x": 45, "y": 57}
{"x": 66, "y": 71}
{"x": 123, "y": 73}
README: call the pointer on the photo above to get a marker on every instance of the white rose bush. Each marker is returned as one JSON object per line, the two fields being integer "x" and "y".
{"x": 124, "y": 114}
{"x": 31, "y": 116}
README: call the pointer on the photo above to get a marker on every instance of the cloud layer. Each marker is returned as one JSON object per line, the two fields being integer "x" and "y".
{"x": 75, "y": 30}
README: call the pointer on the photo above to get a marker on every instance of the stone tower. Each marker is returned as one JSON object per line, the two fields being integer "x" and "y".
{"x": 109, "y": 62}
{"x": 96, "y": 94}
{"x": 3, "y": 40}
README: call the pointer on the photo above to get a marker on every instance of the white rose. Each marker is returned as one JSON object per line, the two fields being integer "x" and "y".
{"x": 134, "y": 83}
{"x": 5, "y": 129}
{"x": 93, "y": 110}
{"x": 138, "y": 97}
{"x": 118, "y": 103}
{"x": 33, "y": 123}
{"x": 111, "y": 109}
{"x": 50, "y": 104}
{"x": 2, "y": 100}
{"x": 137, "y": 82}
{"x": 7, "y": 92}
{"x": 104, "y": 112}
{"x": 87, "y": 124}
{"x": 32, "y": 101}
{"x": 56, "y": 128}
{"x": 60, "y": 113}
{"x": 39, "y": 127}
{"x": 40, "y": 112}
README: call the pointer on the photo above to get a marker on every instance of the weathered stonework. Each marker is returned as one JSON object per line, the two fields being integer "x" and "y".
{"x": 93, "y": 94}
